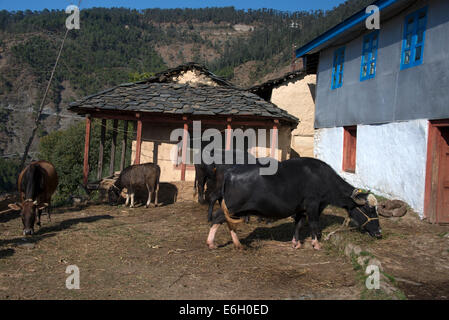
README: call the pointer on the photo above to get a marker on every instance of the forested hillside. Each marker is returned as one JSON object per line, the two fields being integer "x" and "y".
{"x": 115, "y": 44}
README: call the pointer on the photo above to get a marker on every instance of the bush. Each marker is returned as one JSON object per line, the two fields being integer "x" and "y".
{"x": 65, "y": 149}
{"x": 9, "y": 171}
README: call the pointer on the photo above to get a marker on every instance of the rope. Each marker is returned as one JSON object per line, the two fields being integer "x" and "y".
{"x": 7, "y": 210}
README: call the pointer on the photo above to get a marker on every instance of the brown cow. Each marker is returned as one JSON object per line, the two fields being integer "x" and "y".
{"x": 36, "y": 184}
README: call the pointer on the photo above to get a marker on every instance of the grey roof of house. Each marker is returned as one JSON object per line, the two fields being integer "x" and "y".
{"x": 175, "y": 98}
{"x": 278, "y": 81}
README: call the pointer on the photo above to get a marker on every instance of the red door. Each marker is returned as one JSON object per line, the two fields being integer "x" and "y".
{"x": 443, "y": 176}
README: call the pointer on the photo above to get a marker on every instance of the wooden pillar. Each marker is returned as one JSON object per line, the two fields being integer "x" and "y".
{"x": 138, "y": 139}
{"x": 124, "y": 145}
{"x": 101, "y": 150}
{"x": 113, "y": 147}
{"x": 86, "y": 151}
{"x": 184, "y": 149}
{"x": 228, "y": 134}
{"x": 274, "y": 140}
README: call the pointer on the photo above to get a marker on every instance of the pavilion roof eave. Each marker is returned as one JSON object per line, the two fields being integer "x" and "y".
{"x": 178, "y": 117}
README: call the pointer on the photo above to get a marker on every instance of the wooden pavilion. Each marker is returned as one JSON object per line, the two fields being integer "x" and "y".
{"x": 174, "y": 99}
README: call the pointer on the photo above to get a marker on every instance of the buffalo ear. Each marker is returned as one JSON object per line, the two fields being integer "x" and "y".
{"x": 357, "y": 197}
{"x": 15, "y": 206}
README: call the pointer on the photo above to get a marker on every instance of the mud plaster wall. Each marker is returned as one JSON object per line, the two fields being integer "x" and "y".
{"x": 156, "y": 145}
{"x": 390, "y": 159}
{"x": 297, "y": 98}
{"x": 194, "y": 77}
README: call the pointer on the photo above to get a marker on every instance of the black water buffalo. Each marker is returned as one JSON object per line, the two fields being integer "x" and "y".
{"x": 203, "y": 173}
{"x": 206, "y": 173}
{"x": 36, "y": 184}
{"x": 136, "y": 177}
{"x": 216, "y": 183}
{"x": 300, "y": 188}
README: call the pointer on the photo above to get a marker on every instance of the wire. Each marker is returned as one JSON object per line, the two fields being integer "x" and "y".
{"x": 41, "y": 107}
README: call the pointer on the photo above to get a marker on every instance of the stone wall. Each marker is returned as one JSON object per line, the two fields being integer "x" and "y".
{"x": 297, "y": 98}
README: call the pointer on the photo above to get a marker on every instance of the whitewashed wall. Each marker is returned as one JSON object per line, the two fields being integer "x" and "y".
{"x": 390, "y": 159}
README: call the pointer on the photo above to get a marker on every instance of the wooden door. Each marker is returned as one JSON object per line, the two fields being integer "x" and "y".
{"x": 443, "y": 176}
{"x": 349, "y": 148}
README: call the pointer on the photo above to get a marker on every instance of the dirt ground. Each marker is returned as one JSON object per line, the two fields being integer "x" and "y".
{"x": 160, "y": 253}
{"x": 414, "y": 253}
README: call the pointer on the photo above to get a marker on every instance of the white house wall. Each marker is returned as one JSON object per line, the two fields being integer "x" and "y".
{"x": 390, "y": 159}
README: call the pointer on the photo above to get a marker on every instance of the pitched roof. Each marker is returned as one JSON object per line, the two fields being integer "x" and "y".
{"x": 176, "y": 98}
{"x": 278, "y": 81}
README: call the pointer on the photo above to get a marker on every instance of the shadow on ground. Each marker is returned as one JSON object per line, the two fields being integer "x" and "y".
{"x": 284, "y": 232}
{"x": 6, "y": 253}
{"x": 68, "y": 223}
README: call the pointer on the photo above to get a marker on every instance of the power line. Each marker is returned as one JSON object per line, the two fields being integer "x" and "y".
{"x": 41, "y": 107}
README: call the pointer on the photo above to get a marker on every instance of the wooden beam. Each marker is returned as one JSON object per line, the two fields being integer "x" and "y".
{"x": 101, "y": 150}
{"x": 176, "y": 119}
{"x": 138, "y": 141}
{"x": 274, "y": 140}
{"x": 113, "y": 147}
{"x": 124, "y": 145}
{"x": 184, "y": 149}
{"x": 228, "y": 134}
{"x": 86, "y": 151}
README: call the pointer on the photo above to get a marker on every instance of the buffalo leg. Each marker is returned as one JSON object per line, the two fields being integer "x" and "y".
{"x": 313, "y": 212}
{"x": 39, "y": 212}
{"x": 132, "y": 200}
{"x": 150, "y": 193}
{"x": 299, "y": 222}
{"x": 131, "y": 195}
{"x": 218, "y": 218}
{"x": 127, "y": 199}
{"x": 212, "y": 201}
{"x": 210, "y": 238}
{"x": 315, "y": 230}
{"x": 235, "y": 238}
{"x": 49, "y": 210}
{"x": 157, "y": 194}
{"x": 200, "y": 185}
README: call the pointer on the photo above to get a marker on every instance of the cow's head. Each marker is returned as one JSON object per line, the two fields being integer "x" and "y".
{"x": 113, "y": 195}
{"x": 365, "y": 212}
{"x": 28, "y": 210}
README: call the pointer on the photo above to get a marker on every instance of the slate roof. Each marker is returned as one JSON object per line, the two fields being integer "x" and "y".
{"x": 278, "y": 81}
{"x": 173, "y": 98}
{"x": 150, "y": 96}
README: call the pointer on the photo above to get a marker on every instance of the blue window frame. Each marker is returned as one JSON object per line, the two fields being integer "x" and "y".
{"x": 369, "y": 56}
{"x": 413, "y": 41}
{"x": 337, "y": 69}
